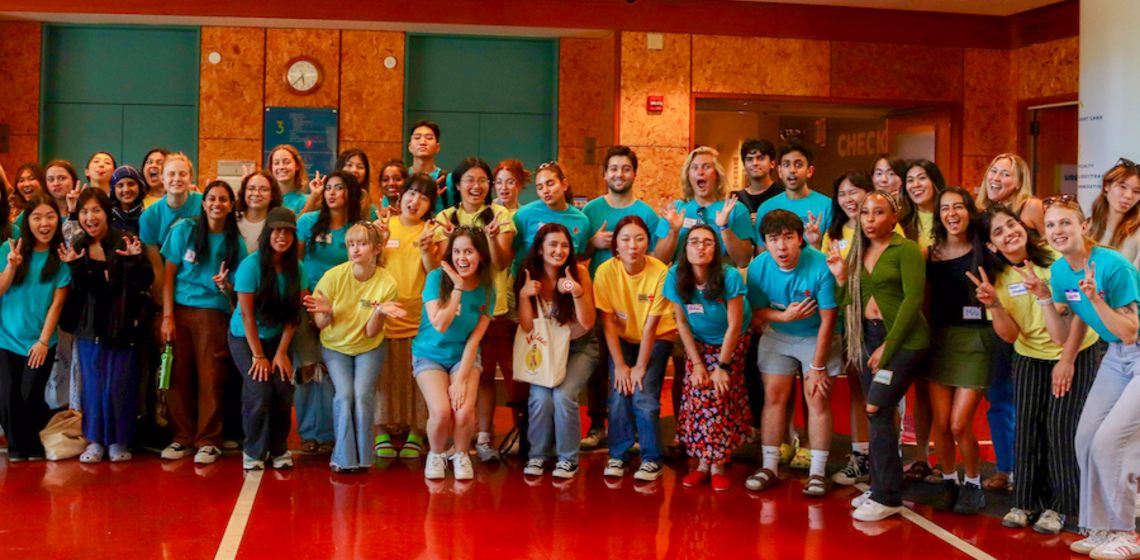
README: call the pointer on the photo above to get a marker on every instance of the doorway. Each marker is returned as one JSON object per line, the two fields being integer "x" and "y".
{"x": 1053, "y": 146}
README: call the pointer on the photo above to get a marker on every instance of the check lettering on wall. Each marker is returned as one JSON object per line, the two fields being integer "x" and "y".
{"x": 862, "y": 143}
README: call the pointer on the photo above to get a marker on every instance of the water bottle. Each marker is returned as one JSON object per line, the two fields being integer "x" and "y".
{"x": 164, "y": 367}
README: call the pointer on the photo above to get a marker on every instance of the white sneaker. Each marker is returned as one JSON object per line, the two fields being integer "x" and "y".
{"x": 1018, "y": 518}
{"x": 207, "y": 455}
{"x": 565, "y": 470}
{"x": 1091, "y": 542}
{"x": 649, "y": 471}
{"x": 93, "y": 454}
{"x": 1125, "y": 545}
{"x": 435, "y": 468}
{"x": 615, "y": 468}
{"x": 874, "y": 511}
{"x": 175, "y": 451}
{"x": 861, "y": 499}
{"x": 283, "y": 461}
{"x": 487, "y": 452}
{"x": 535, "y": 467}
{"x": 461, "y": 463}
{"x": 1050, "y": 523}
{"x": 250, "y": 464}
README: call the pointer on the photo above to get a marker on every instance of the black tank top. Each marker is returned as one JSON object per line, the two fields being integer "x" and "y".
{"x": 952, "y": 294}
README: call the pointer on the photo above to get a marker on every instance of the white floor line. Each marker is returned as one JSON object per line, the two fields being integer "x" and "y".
{"x": 934, "y": 529}
{"x": 231, "y": 540}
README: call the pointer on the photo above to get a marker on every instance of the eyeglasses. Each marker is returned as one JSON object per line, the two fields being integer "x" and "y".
{"x": 694, "y": 243}
{"x": 469, "y": 181}
{"x": 1061, "y": 198}
{"x": 259, "y": 189}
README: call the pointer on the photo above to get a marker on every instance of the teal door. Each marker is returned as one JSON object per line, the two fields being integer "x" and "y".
{"x": 122, "y": 90}
{"x": 495, "y": 98}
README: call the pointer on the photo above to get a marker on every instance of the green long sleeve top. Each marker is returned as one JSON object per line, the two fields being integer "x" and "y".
{"x": 898, "y": 284}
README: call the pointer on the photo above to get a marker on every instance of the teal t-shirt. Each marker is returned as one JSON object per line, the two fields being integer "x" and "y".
{"x": 447, "y": 347}
{"x": 16, "y": 225}
{"x": 531, "y": 217}
{"x": 599, "y": 212}
{"x": 324, "y": 253}
{"x": 24, "y": 308}
{"x": 155, "y": 221}
{"x": 740, "y": 222}
{"x": 1117, "y": 281}
{"x": 817, "y": 203}
{"x": 294, "y": 201}
{"x": 769, "y": 286}
{"x": 247, "y": 280}
{"x": 194, "y": 284}
{"x": 439, "y": 202}
{"x": 709, "y": 319}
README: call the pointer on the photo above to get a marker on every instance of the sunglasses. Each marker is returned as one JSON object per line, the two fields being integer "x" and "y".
{"x": 1062, "y": 198}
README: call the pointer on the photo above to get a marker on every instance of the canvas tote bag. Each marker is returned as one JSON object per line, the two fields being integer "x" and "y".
{"x": 541, "y": 354}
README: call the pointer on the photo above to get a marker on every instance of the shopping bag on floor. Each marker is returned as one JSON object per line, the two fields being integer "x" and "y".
{"x": 540, "y": 355}
{"x": 63, "y": 436}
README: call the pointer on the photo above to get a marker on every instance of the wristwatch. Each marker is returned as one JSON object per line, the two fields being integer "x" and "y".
{"x": 723, "y": 365}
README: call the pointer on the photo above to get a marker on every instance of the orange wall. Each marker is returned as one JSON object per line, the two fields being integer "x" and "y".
{"x": 20, "y": 82}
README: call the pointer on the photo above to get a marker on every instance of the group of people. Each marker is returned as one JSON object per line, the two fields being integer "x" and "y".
{"x": 378, "y": 310}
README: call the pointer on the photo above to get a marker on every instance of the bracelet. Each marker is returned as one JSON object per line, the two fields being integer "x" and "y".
{"x": 995, "y": 304}
{"x": 260, "y": 358}
{"x": 42, "y": 342}
{"x": 1044, "y": 302}
{"x": 821, "y": 368}
{"x": 171, "y": 316}
{"x": 721, "y": 228}
{"x": 579, "y": 297}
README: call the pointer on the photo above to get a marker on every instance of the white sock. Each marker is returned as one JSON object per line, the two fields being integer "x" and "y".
{"x": 484, "y": 437}
{"x": 861, "y": 447}
{"x": 975, "y": 480}
{"x": 819, "y": 462}
{"x": 951, "y": 476}
{"x": 770, "y": 457}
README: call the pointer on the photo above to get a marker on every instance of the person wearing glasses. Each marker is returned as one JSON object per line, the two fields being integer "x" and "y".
{"x": 1115, "y": 219}
{"x": 258, "y": 195}
{"x": 703, "y": 190}
{"x": 321, "y": 240}
{"x": 1097, "y": 287}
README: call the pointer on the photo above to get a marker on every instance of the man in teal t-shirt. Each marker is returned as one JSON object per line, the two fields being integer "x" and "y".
{"x": 604, "y": 213}
{"x": 813, "y": 208}
{"x": 423, "y": 144}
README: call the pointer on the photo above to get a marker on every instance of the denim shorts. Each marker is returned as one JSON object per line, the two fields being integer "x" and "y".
{"x": 427, "y": 364}
{"x": 785, "y": 354}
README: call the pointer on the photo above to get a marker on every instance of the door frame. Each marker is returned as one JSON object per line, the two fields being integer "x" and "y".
{"x": 1026, "y": 141}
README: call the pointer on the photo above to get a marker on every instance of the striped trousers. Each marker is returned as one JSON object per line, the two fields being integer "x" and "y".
{"x": 1046, "y": 472}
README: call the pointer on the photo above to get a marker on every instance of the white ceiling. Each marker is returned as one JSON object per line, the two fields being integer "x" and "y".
{"x": 980, "y": 7}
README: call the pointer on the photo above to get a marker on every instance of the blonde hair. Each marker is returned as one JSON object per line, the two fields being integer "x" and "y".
{"x": 370, "y": 233}
{"x": 1074, "y": 207}
{"x": 853, "y": 315}
{"x": 687, "y": 192}
{"x": 1021, "y": 176}
{"x": 300, "y": 177}
{"x": 178, "y": 157}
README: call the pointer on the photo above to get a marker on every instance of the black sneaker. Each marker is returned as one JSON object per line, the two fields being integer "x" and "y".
{"x": 971, "y": 500}
{"x": 948, "y": 498}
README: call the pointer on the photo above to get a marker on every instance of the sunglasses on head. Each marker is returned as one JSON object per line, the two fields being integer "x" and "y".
{"x": 1061, "y": 198}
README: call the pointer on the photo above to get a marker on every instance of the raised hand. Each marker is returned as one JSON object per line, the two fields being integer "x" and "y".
{"x": 247, "y": 171}
{"x": 318, "y": 303}
{"x": 985, "y": 292}
{"x": 530, "y": 287}
{"x": 1033, "y": 283}
{"x": 669, "y": 213}
{"x": 602, "y": 239}
{"x": 392, "y": 309}
{"x": 317, "y": 185}
{"x": 836, "y": 263}
{"x": 134, "y": 247}
{"x": 725, "y": 212}
{"x": 568, "y": 285}
{"x": 449, "y": 270}
{"x": 15, "y": 257}
{"x": 1088, "y": 284}
{"x": 492, "y": 230}
{"x": 73, "y": 196}
{"x": 67, "y": 253}
{"x": 427, "y": 236}
{"x": 812, "y": 231}
{"x": 221, "y": 278}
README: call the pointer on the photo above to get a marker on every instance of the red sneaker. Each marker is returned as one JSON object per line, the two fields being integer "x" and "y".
{"x": 720, "y": 482}
{"x": 695, "y": 478}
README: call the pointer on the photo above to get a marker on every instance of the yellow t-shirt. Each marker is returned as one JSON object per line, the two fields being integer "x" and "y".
{"x": 845, "y": 242}
{"x": 352, "y": 303}
{"x": 404, "y": 261}
{"x": 634, "y": 298}
{"x": 926, "y": 230}
{"x": 505, "y": 218}
{"x": 1034, "y": 340}
{"x": 148, "y": 200}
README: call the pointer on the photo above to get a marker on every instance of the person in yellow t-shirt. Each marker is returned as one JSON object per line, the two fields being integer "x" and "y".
{"x": 409, "y": 254}
{"x": 640, "y": 329}
{"x": 350, "y": 305}
{"x": 475, "y": 208}
{"x": 1044, "y": 464}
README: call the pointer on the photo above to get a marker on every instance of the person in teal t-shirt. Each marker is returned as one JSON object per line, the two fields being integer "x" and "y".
{"x": 791, "y": 288}
{"x": 179, "y": 203}
{"x": 703, "y": 188}
{"x": 604, "y": 213}
{"x": 813, "y": 208}
{"x": 200, "y": 256}
{"x": 423, "y": 144}
{"x": 553, "y": 205}
{"x": 269, "y": 308}
{"x": 459, "y": 301}
{"x": 285, "y": 163}
{"x": 33, "y": 288}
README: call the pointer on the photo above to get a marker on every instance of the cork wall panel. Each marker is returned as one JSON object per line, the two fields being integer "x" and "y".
{"x": 232, "y": 96}
{"x": 585, "y": 180}
{"x": 974, "y": 171}
{"x": 659, "y": 174}
{"x": 20, "y": 76}
{"x": 610, "y": 96}
{"x": 585, "y": 69}
{"x": 662, "y": 72}
{"x": 989, "y": 104}
{"x": 283, "y": 45}
{"x": 211, "y": 150}
{"x": 761, "y": 66}
{"x": 22, "y": 148}
{"x": 371, "y": 95}
{"x": 881, "y": 71}
{"x": 1048, "y": 69}
{"x": 378, "y": 153}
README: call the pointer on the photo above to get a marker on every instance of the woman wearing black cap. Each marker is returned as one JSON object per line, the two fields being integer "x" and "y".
{"x": 269, "y": 284}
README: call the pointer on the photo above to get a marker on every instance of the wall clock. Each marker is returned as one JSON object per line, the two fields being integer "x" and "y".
{"x": 304, "y": 75}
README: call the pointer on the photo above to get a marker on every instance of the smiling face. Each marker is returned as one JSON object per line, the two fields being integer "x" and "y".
{"x": 1064, "y": 229}
{"x": 877, "y": 217}
{"x": 391, "y": 180}
{"x": 758, "y": 166}
{"x": 632, "y": 243}
{"x": 1122, "y": 195}
{"x": 43, "y": 220}
{"x": 28, "y": 185}
{"x": 283, "y": 166}
{"x": 217, "y": 203}
{"x": 176, "y": 177}
{"x": 474, "y": 186}
{"x": 414, "y": 204}
{"x": 703, "y": 176}
{"x": 281, "y": 239}
{"x": 1007, "y": 235}
{"x": 99, "y": 169}
{"x": 127, "y": 190}
{"x": 355, "y": 165}
{"x": 919, "y": 186}
{"x": 954, "y": 214}
{"x": 506, "y": 186}
{"x": 93, "y": 219}
{"x": 152, "y": 170}
{"x": 885, "y": 177}
{"x": 464, "y": 257}
{"x": 258, "y": 193}
{"x": 619, "y": 174}
{"x": 336, "y": 192}
{"x": 1001, "y": 184}
{"x": 849, "y": 197}
{"x": 700, "y": 248}
{"x": 59, "y": 182}
{"x": 555, "y": 249}
{"x": 549, "y": 187}
{"x": 423, "y": 143}
{"x": 795, "y": 170}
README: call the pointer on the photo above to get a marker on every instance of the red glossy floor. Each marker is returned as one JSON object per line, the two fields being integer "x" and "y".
{"x": 152, "y": 509}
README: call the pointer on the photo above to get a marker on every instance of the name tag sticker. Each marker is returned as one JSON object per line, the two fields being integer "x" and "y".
{"x": 1073, "y": 295}
{"x": 190, "y": 256}
{"x": 844, "y": 244}
{"x": 1017, "y": 289}
{"x": 325, "y": 238}
{"x": 695, "y": 308}
{"x": 972, "y": 313}
{"x": 779, "y": 306}
{"x": 884, "y": 376}
{"x": 393, "y": 244}
{"x": 621, "y": 315}
{"x": 689, "y": 223}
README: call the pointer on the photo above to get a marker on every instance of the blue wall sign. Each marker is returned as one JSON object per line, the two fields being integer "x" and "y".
{"x": 313, "y": 131}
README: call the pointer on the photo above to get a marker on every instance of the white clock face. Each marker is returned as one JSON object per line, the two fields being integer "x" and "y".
{"x": 303, "y": 75}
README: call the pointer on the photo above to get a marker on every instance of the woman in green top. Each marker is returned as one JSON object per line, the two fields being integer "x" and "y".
{"x": 886, "y": 335}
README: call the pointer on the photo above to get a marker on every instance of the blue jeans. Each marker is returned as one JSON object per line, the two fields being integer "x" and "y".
{"x": 554, "y": 412}
{"x": 110, "y": 392}
{"x": 641, "y": 409}
{"x": 355, "y": 403}
{"x": 1002, "y": 411}
{"x": 314, "y": 404}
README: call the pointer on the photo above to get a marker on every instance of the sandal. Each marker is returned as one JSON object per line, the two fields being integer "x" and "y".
{"x": 384, "y": 448}
{"x": 413, "y": 448}
{"x": 935, "y": 476}
{"x": 815, "y": 487}
{"x": 762, "y": 480}
{"x": 998, "y": 482}
{"x": 326, "y": 448}
{"x": 802, "y": 459}
{"x": 918, "y": 471}
{"x": 309, "y": 446}
{"x": 93, "y": 454}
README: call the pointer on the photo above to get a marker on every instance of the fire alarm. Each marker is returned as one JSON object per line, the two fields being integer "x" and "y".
{"x": 656, "y": 104}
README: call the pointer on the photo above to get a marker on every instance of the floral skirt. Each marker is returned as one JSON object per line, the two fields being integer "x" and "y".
{"x": 712, "y": 425}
